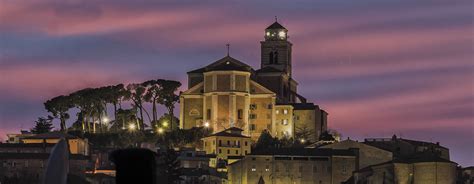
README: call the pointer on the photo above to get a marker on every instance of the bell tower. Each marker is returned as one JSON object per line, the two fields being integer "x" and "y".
{"x": 276, "y": 49}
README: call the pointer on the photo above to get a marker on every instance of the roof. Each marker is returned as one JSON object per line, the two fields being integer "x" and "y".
{"x": 304, "y": 152}
{"x": 227, "y": 63}
{"x": 268, "y": 69}
{"x": 52, "y": 135}
{"x": 22, "y": 145}
{"x": 230, "y": 132}
{"x": 390, "y": 144}
{"x": 39, "y": 156}
{"x": 276, "y": 25}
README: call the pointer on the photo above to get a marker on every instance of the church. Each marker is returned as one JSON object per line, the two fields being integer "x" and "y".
{"x": 229, "y": 93}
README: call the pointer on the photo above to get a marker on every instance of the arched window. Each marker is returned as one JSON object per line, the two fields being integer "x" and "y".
{"x": 275, "y": 57}
{"x": 271, "y": 57}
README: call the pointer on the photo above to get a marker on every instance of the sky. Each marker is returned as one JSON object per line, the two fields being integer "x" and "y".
{"x": 378, "y": 68}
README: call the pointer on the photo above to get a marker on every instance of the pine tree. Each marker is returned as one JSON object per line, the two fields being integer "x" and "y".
{"x": 43, "y": 125}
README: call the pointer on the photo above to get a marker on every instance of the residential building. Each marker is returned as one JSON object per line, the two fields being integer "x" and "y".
{"x": 76, "y": 144}
{"x": 295, "y": 166}
{"x": 367, "y": 155}
{"x": 423, "y": 169}
{"x": 229, "y": 142}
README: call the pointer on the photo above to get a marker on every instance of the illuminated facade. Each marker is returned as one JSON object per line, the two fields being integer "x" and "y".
{"x": 229, "y": 93}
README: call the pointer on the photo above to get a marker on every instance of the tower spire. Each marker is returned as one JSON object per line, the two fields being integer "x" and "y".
{"x": 276, "y": 18}
{"x": 228, "y": 48}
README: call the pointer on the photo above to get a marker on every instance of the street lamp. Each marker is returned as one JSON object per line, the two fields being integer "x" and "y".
{"x": 206, "y": 124}
{"x": 302, "y": 141}
{"x": 132, "y": 127}
{"x": 165, "y": 123}
{"x": 160, "y": 130}
{"x": 105, "y": 119}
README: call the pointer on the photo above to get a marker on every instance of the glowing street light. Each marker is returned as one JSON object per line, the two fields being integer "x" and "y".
{"x": 206, "y": 124}
{"x": 165, "y": 123}
{"x": 105, "y": 119}
{"x": 160, "y": 130}
{"x": 302, "y": 140}
{"x": 132, "y": 127}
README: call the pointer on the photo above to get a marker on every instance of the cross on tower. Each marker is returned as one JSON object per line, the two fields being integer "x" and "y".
{"x": 228, "y": 48}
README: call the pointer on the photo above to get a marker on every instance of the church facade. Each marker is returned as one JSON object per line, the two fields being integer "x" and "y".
{"x": 229, "y": 93}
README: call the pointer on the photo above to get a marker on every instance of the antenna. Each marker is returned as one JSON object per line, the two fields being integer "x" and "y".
{"x": 276, "y": 19}
{"x": 228, "y": 48}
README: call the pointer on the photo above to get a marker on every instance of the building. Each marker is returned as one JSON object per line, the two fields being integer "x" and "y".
{"x": 229, "y": 142}
{"x": 190, "y": 158}
{"x": 367, "y": 155}
{"x": 76, "y": 145}
{"x": 29, "y": 167}
{"x": 15, "y": 138}
{"x": 406, "y": 148}
{"x": 424, "y": 169}
{"x": 294, "y": 165}
{"x": 229, "y": 93}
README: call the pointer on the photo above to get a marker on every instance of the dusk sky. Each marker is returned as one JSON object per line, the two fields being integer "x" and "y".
{"x": 378, "y": 67}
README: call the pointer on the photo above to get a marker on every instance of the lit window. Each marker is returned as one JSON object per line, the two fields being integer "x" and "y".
{"x": 282, "y": 34}
{"x": 284, "y": 122}
{"x": 277, "y": 112}
{"x": 267, "y": 168}
{"x": 253, "y": 168}
{"x": 285, "y": 111}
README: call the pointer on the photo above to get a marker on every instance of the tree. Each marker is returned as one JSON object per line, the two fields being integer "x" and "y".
{"x": 168, "y": 98}
{"x": 152, "y": 95}
{"x": 59, "y": 106}
{"x": 266, "y": 141}
{"x": 164, "y": 122}
{"x": 169, "y": 163}
{"x": 43, "y": 125}
{"x": 326, "y": 136}
{"x": 304, "y": 135}
{"x": 136, "y": 93}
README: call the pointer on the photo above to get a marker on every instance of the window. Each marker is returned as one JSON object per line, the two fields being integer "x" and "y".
{"x": 284, "y": 122}
{"x": 269, "y": 116}
{"x": 220, "y": 151}
{"x": 252, "y": 127}
{"x": 228, "y": 151}
{"x": 253, "y": 116}
{"x": 270, "y": 55}
{"x": 277, "y": 112}
{"x": 237, "y": 152}
{"x": 245, "y": 143}
{"x": 214, "y": 142}
{"x": 246, "y": 152}
{"x": 240, "y": 114}
{"x": 220, "y": 142}
{"x": 253, "y": 158}
{"x": 208, "y": 113}
{"x": 297, "y": 117}
{"x": 228, "y": 143}
{"x": 344, "y": 169}
{"x": 267, "y": 168}
{"x": 254, "y": 168}
{"x": 285, "y": 111}
{"x": 253, "y": 106}
{"x": 269, "y": 106}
